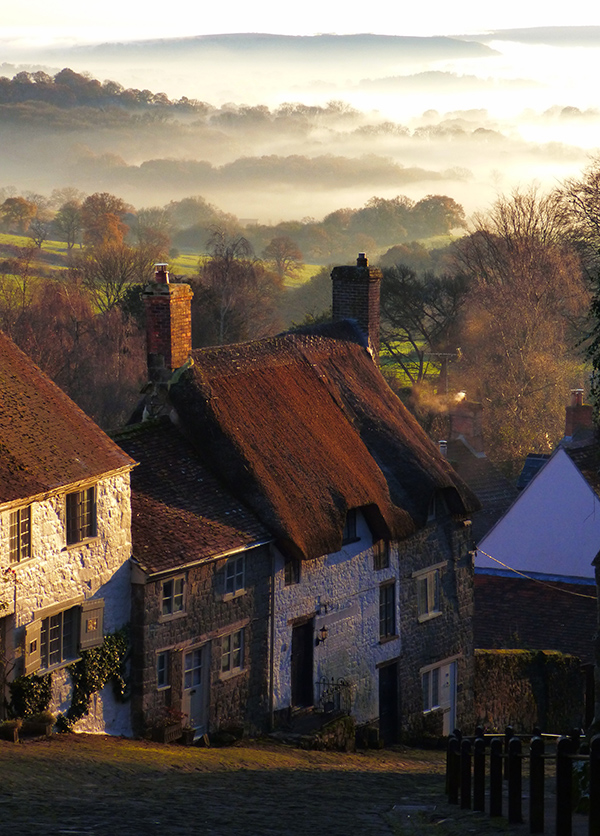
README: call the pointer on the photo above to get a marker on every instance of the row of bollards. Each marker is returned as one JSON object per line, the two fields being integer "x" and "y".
{"x": 466, "y": 777}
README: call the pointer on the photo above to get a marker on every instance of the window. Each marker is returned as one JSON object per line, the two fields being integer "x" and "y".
{"x": 428, "y": 593}
{"x": 163, "y": 673}
{"x": 291, "y": 571}
{"x": 172, "y": 596}
{"x": 81, "y": 515}
{"x": 381, "y": 554}
{"x": 387, "y": 610}
{"x": 20, "y": 534}
{"x": 234, "y": 575}
{"x": 232, "y": 652}
{"x": 349, "y": 532}
{"x": 430, "y": 681}
{"x": 57, "y": 635}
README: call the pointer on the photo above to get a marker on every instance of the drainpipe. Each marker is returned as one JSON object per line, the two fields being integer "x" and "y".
{"x": 272, "y": 641}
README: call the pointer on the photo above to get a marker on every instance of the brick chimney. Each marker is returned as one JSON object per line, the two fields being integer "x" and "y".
{"x": 168, "y": 325}
{"x": 579, "y": 416}
{"x": 466, "y": 421}
{"x": 356, "y": 296}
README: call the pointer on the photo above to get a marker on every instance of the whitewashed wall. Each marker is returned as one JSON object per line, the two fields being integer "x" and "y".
{"x": 552, "y": 528}
{"x": 98, "y": 568}
{"x": 343, "y": 590}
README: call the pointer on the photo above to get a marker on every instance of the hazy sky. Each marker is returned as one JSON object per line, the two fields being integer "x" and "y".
{"x": 69, "y": 20}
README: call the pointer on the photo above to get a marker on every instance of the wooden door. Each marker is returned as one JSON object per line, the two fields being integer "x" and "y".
{"x": 388, "y": 703}
{"x": 302, "y": 664}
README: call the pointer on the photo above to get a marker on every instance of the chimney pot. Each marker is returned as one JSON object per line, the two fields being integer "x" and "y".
{"x": 443, "y": 446}
{"x": 576, "y": 397}
{"x": 362, "y": 260}
{"x": 161, "y": 275}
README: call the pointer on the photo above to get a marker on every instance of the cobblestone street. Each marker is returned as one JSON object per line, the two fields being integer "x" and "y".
{"x": 100, "y": 786}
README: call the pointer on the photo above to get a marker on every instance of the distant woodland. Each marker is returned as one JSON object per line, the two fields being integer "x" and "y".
{"x": 505, "y": 297}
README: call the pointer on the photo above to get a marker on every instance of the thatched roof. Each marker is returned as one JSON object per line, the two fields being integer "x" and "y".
{"x": 46, "y": 441}
{"x": 302, "y": 427}
{"x": 180, "y": 514}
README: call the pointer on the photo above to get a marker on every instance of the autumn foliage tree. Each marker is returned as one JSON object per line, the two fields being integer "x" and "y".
{"x": 527, "y": 299}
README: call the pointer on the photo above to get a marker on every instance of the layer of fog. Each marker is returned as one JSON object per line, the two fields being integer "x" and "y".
{"x": 468, "y": 127}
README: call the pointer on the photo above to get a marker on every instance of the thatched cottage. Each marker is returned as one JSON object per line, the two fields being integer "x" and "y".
{"x": 299, "y": 541}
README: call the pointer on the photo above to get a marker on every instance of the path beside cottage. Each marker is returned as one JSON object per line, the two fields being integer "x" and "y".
{"x": 101, "y": 786}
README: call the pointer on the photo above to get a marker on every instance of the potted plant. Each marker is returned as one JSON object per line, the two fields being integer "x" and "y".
{"x": 40, "y": 723}
{"x": 188, "y": 735}
{"x": 9, "y": 730}
{"x": 168, "y": 726}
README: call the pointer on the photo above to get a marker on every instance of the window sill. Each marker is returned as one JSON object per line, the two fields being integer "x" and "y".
{"x": 86, "y": 542}
{"x": 58, "y": 666}
{"x": 432, "y": 710}
{"x": 171, "y": 617}
{"x": 386, "y": 639}
{"x": 428, "y": 616}
{"x": 226, "y": 675}
{"x": 229, "y": 596}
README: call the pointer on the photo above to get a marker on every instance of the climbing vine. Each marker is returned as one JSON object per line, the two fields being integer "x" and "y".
{"x": 29, "y": 695}
{"x": 91, "y": 673}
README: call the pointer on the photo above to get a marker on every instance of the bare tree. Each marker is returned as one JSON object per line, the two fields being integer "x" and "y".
{"x": 284, "y": 254}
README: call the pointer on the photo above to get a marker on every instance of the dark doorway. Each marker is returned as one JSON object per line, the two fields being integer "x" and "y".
{"x": 388, "y": 703}
{"x": 302, "y": 664}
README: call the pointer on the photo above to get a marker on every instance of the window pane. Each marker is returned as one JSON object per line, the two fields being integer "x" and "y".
{"x": 425, "y": 683}
{"x": 435, "y": 687}
{"x": 167, "y": 597}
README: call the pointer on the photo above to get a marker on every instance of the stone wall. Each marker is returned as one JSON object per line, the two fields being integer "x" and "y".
{"x": 239, "y": 699}
{"x": 525, "y": 688}
{"x": 446, "y": 636}
{"x": 55, "y": 573}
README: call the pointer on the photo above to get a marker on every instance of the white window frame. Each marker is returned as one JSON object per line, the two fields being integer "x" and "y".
{"x": 235, "y": 576}
{"x": 46, "y": 637}
{"x": 81, "y": 515}
{"x": 429, "y": 591}
{"x": 431, "y": 685}
{"x": 172, "y": 601}
{"x": 232, "y": 653}
{"x": 163, "y": 670}
{"x": 20, "y": 534}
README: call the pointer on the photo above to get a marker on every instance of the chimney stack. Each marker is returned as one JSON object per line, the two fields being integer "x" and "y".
{"x": 579, "y": 416}
{"x": 168, "y": 325}
{"x": 356, "y": 296}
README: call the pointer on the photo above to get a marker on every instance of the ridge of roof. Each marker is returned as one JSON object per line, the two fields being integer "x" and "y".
{"x": 302, "y": 427}
{"x": 46, "y": 441}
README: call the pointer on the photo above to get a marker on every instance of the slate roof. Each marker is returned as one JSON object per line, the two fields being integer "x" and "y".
{"x": 46, "y": 441}
{"x": 493, "y": 490}
{"x": 302, "y": 426}
{"x": 514, "y": 612}
{"x": 180, "y": 514}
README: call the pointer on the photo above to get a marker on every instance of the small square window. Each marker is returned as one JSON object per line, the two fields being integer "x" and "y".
{"x": 81, "y": 515}
{"x": 428, "y": 594}
{"x": 349, "y": 532}
{"x": 430, "y": 681}
{"x": 20, "y": 534}
{"x": 235, "y": 575}
{"x": 163, "y": 674}
{"x": 172, "y": 596}
{"x": 387, "y": 610}
{"x": 381, "y": 554}
{"x": 232, "y": 652}
{"x": 291, "y": 571}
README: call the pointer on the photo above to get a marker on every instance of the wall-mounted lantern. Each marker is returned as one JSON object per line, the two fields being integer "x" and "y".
{"x": 322, "y": 635}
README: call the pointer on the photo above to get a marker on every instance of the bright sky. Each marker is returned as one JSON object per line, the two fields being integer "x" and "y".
{"x": 68, "y": 20}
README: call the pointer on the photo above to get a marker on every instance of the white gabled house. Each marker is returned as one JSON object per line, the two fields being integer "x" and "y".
{"x": 65, "y": 537}
{"x": 553, "y": 527}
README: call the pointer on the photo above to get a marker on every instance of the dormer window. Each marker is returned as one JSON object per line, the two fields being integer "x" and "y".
{"x": 349, "y": 532}
{"x": 81, "y": 515}
{"x": 20, "y": 534}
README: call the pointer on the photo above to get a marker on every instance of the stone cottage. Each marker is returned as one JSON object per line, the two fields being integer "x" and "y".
{"x": 345, "y": 541}
{"x": 65, "y": 538}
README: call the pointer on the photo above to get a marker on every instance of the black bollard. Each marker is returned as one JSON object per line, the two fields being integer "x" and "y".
{"x": 508, "y": 733}
{"x": 515, "y": 815}
{"x": 465, "y": 775}
{"x": 564, "y": 787}
{"x": 594, "y": 822}
{"x": 479, "y": 775}
{"x": 536, "y": 786}
{"x": 453, "y": 770}
{"x": 496, "y": 777}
